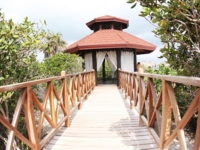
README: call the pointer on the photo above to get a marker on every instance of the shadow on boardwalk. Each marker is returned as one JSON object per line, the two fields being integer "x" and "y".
{"x": 132, "y": 134}
{"x": 142, "y": 131}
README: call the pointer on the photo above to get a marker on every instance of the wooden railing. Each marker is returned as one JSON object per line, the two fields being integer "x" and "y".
{"x": 143, "y": 95}
{"x": 72, "y": 90}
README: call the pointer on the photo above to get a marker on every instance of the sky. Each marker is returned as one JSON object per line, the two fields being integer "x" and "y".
{"x": 69, "y": 17}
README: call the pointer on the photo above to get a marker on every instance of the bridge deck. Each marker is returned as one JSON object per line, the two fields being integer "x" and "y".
{"x": 105, "y": 122}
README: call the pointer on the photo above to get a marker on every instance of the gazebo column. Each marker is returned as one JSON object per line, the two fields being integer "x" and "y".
{"x": 118, "y": 63}
{"x": 103, "y": 71}
{"x": 83, "y": 57}
{"x": 94, "y": 62}
{"x": 135, "y": 59}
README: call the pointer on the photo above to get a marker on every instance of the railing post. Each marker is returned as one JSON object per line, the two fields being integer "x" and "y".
{"x": 119, "y": 78}
{"x": 79, "y": 92}
{"x": 86, "y": 85}
{"x": 141, "y": 98}
{"x": 30, "y": 120}
{"x": 52, "y": 106}
{"x": 89, "y": 82}
{"x": 74, "y": 91}
{"x": 93, "y": 79}
{"x": 166, "y": 116}
{"x": 126, "y": 86}
{"x": 131, "y": 91}
{"x": 83, "y": 85}
{"x": 135, "y": 97}
{"x": 65, "y": 98}
{"x": 123, "y": 80}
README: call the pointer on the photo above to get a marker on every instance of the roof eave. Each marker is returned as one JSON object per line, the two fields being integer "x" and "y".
{"x": 77, "y": 48}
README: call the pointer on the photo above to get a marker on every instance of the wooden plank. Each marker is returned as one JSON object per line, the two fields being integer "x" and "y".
{"x": 105, "y": 120}
{"x": 61, "y": 147}
{"x": 106, "y": 129}
{"x": 104, "y": 143}
{"x": 86, "y": 139}
{"x": 102, "y": 134}
{"x": 102, "y": 126}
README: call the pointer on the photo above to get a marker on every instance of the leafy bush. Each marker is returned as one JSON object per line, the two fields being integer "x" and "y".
{"x": 53, "y": 65}
{"x": 18, "y": 44}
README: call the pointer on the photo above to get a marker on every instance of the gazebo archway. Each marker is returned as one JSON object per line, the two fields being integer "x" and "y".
{"x": 105, "y": 58}
{"x": 116, "y": 58}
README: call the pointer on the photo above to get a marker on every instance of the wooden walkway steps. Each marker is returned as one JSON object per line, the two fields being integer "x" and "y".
{"x": 105, "y": 122}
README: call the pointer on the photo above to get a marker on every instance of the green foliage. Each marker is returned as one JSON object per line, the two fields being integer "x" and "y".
{"x": 19, "y": 43}
{"x": 178, "y": 26}
{"x": 163, "y": 70}
{"x": 53, "y": 65}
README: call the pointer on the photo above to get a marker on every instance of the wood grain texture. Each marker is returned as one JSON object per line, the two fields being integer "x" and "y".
{"x": 104, "y": 122}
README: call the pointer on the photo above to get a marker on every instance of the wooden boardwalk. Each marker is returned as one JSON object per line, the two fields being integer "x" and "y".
{"x": 105, "y": 122}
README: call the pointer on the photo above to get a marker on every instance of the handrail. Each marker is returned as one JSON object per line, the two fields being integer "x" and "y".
{"x": 73, "y": 88}
{"x": 143, "y": 96}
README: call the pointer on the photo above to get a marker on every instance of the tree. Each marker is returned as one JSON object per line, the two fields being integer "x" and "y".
{"x": 53, "y": 44}
{"x": 18, "y": 44}
{"x": 178, "y": 27}
{"x": 52, "y": 66}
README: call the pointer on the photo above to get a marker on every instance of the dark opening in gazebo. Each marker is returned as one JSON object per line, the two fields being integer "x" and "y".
{"x": 109, "y": 42}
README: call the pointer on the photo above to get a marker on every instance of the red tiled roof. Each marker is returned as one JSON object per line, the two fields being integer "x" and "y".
{"x": 106, "y": 39}
{"x": 107, "y": 18}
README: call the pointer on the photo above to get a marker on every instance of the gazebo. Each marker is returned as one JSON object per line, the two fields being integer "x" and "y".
{"x": 110, "y": 42}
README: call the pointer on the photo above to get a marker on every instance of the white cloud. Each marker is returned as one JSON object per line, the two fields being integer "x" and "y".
{"x": 69, "y": 16}
{"x": 153, "y": 57}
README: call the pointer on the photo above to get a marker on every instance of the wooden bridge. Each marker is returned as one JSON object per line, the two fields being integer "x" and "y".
{"x": 80, "y": 115}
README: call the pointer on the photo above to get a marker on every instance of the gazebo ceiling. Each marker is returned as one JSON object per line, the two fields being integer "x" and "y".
{"x": 107, "y": 18}
{"x": 111, "y": 39}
